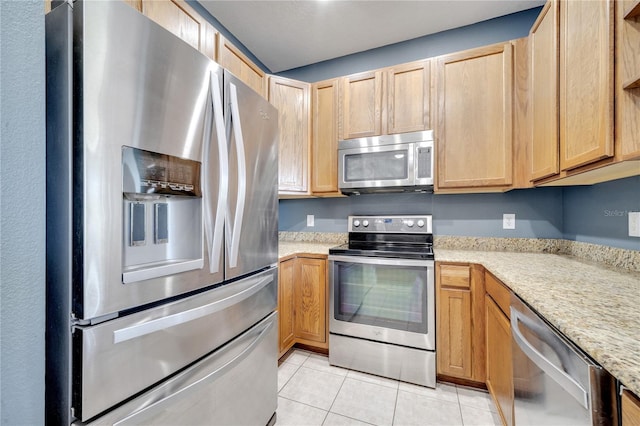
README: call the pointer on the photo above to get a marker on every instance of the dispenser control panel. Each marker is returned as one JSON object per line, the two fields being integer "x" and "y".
{"x": 146, "y": 172}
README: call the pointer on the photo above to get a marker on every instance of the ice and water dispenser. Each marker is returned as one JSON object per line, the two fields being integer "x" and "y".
{"x": 162, "y": 212}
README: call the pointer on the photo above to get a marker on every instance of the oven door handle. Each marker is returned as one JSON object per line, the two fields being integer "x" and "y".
{"x": 381, "y": 261}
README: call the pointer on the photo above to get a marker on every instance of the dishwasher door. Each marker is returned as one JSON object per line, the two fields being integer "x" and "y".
{"x": 554, "y": 382}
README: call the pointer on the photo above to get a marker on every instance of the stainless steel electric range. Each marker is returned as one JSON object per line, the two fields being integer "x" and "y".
{"x": 382, "y": 298}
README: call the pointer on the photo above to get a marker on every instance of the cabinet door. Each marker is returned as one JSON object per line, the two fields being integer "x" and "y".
{"x": 291, "y": 97}
{"x": 286, "y": 280}
{"x": 362, "y": 105}
{"x": 136, "y": 4}
{"x": 453, "y": 319}
{"x": 179, "y": 18}
{"x": 586, "y": 82}
{"x": 499, "y": 361}
{"x": 544, "y": 98}
{"x": 630, "y": 409}
{"x": 408, "y": 97}
{"x": 324, "y": 143}
{"x": 310, "y": 300}
{"x": 231, "y": 58}
{"x": 474, "y": 130}
{"x": 628, "y": 79}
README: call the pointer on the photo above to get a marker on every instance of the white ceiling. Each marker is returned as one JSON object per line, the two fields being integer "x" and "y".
{"x": 293, "y": 33}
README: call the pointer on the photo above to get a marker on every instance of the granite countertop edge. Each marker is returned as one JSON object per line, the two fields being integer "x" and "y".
{"x": 593, "y": 305}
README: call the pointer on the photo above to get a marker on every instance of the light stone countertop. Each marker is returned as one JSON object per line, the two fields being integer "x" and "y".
{"x": 595, "y": 306}
{"x": 287, "y": 248}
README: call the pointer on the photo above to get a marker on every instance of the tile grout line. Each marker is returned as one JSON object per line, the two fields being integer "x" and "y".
{"x": 395, "y": 406}
{"x": 294, "y": 373}
{"x": 304, "y": 403}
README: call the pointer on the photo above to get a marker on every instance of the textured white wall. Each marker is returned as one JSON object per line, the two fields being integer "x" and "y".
{"x": 22, "y": 212}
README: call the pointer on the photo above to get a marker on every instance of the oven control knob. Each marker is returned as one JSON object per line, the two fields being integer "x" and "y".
{"x": 421, "y": 223}
{"x": 409, "y": 223}
{"x": 365, "y": 223}
{"x": 356, "y": 223}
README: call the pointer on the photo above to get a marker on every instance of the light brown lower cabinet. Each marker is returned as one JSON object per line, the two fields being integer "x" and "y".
{"x": 302, "y": 303}
{"x": 286, "y": 280}
{"x": 499, "y": 360}
{"x": 630, "y": 409}
{"x": 460, "y": 323}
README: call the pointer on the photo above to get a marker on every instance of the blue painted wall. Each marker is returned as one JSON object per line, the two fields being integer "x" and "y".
{"x": 221, "y": 28}
{"x": 598, "y": 214}
{"x": 22, "y": 212}
{"x": 538, "y": 212}
{"x": 594, "y": 214}
{"x": 496, "y": 30}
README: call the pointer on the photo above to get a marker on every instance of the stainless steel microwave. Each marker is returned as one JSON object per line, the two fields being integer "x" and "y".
{"x": 389, "y": 163}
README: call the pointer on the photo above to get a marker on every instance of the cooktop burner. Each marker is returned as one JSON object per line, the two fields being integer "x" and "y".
{"x": 406, "y": 237}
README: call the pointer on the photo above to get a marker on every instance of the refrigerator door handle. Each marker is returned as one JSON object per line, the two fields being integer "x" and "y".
{"x": 559, "y": 376}
{"x": 139, "y": 330}
{"x": 236, "y": 231}
{"x": 158, "y": 406}
{"x": 214, "y": 231}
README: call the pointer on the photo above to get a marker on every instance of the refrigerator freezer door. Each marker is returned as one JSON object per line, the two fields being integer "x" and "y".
{"x": 130, "y": 83}
{"x": 252, "y": 209}
{"x": 124, "y": 356}
{"x": 235, "y": 385}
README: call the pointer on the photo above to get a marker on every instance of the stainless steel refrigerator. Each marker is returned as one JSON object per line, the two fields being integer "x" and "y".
{"x": 161, "y": 228}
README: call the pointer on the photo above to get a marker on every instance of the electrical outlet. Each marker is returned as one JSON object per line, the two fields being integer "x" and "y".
{"x": 634, "y": 224}
{"x": 310, "y": 220}
{"x": 509, "y": 221}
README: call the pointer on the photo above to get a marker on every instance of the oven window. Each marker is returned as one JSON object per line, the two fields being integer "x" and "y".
{"x": 382, "y": 295}
{"x": 386, "y": 165}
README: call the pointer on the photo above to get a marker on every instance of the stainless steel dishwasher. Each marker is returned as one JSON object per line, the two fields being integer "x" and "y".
{"x": 555, "y": 383}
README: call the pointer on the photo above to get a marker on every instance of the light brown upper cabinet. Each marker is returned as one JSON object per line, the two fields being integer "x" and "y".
{"x": 544, "y": 42}
{"x": 180, "y": 18}
{"x": 474, "y": 118}
{"x": 231, "y": 58}
{"x": 362, "y": 102}
{"x": 586, "y": 82}
{"x": 291, "y": 97}
{"x": 597, "y": 140}
{"x": 628, "y": 79}
{"x": 136, "y": 4}
{"x": 324, "y": 140}
{"x": 408, "y": 94}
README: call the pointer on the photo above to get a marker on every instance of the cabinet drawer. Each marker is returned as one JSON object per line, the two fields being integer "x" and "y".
{"x": 457, "y": 276}
{"x": 499, "y": 292}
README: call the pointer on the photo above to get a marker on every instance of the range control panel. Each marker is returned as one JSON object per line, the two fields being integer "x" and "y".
{"x": 413, "y": 224}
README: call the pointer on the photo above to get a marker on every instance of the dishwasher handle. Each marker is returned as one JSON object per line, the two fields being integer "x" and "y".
{"x": 560, "y": 377}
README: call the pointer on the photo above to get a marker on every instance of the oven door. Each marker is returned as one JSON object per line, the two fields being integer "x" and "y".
{"x": 376, "y": 166}
{"x": 383, "y": 299}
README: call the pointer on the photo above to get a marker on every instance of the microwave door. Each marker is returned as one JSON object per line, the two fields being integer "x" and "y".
{"x": 380, "y": 166}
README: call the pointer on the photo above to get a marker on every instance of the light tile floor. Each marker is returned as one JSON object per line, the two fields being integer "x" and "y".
{"x": 312, "y": 392}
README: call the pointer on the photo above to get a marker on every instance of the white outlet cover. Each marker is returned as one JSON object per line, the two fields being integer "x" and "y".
{"x": 310, "y": 220}
{"x": 634, "y": 224}
{"x": 509, "y": 221}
